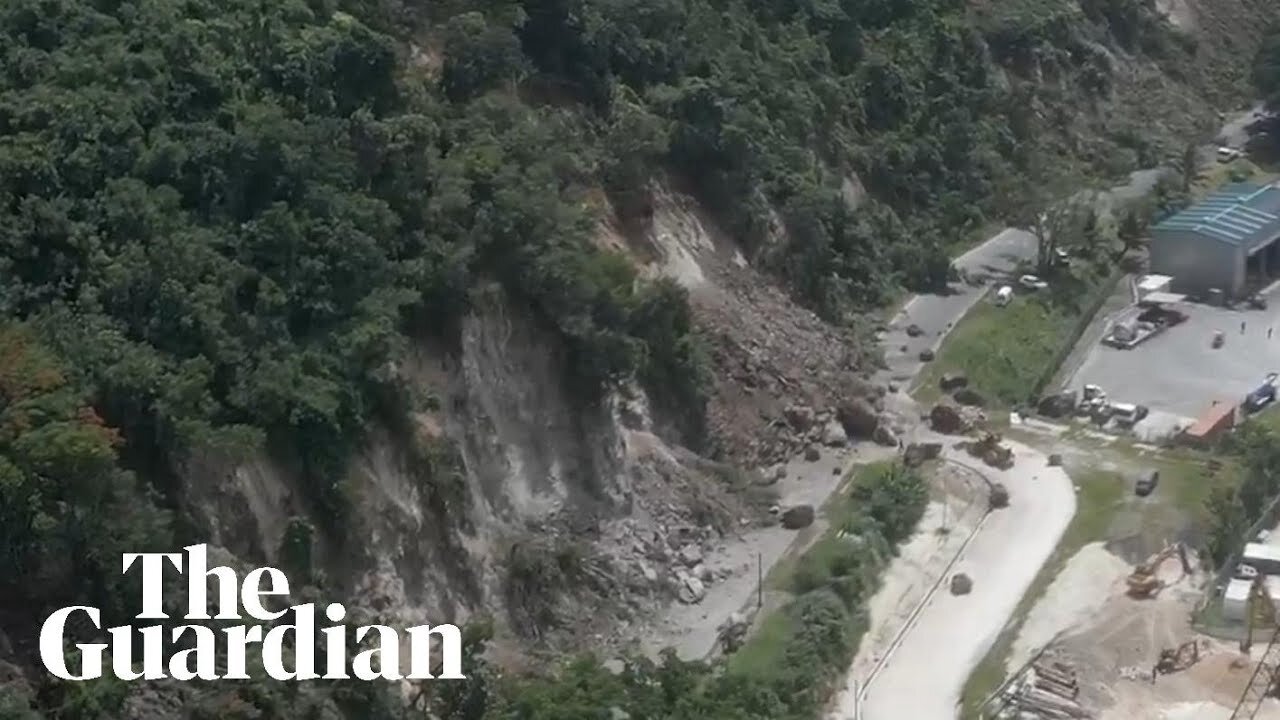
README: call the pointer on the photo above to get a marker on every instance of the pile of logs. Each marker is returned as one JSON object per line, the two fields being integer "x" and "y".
{"x": 1049, "y": 690}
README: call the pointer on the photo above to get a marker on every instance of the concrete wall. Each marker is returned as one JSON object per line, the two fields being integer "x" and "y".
{"x": 1195, "y": 262}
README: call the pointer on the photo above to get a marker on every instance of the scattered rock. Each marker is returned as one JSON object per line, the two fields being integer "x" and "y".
{"x": 961, "y": 584}
{"x": 970, "y": 397}
{"x": 925, "y": 355}
{"x": 999, "y": 497}
{"x": 914, "y": 330}
{"x": 884, "y": 436}
{"x": 834, "y": 435}
{"x": 800, "y": 516}
{"x": 858, "y": 417}
{"x": 733, "y": 631}
{"x": 799, "y": 416}
{"x": 836, "y": 470}
{"x": 893, "y": 387}
{"x": 953, "y": 381}
{"x": 650, "y": 575}
{"x": 1055, "y": 459}
{"x": 812, "y": 454}
{"x": 903, "y": 348}
{"x": 691, "y": 590}
{"x": 945, "y": 418}
{"x": 917, "y": 453}
{"x": 691, "y": 555}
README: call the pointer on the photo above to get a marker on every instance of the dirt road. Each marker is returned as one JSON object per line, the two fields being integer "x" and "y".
{"x": 923, "y": 676}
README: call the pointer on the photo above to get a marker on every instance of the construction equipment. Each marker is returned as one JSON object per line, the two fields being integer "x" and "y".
{"x": 1144, "y": 583}
{"x": 1261, "y": 611}
{"x": 1176, "y": 660}
{"x": 1262, "y": 684}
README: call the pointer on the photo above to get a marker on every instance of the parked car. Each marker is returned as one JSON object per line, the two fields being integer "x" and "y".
{"x": 1228, "y": 154}
{"x": 1147, "y": 483}
{"x": 1031, "y": 282}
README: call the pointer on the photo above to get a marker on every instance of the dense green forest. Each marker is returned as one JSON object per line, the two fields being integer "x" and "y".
{"x": 221, "y": 220}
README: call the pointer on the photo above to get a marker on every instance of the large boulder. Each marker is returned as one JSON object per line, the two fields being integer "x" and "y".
{"x": 800, "y": 417}
{"x": 800, "y": 516}
{"x": 812, "y": 454}
{"x": 690, "y": 554}
{"x": 926, "y": 355}
{"x": 833, "y": 435}
{"x": 858, "y": 417}
{"x": 918, "y": 453}
{"x": 884, "y": 436}
{"x": 1059, "y": 405}
{"x": 914, "y": 330}
{"x": 969, "y": 396}
{"x": 945, "y": 418}
{"x": 953, "y": 381}
{"x": 961, "y": 584}
{"x": 690, "y": 589}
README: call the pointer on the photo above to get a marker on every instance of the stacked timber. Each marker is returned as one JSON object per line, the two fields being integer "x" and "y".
{"x": 1048, "y": 691}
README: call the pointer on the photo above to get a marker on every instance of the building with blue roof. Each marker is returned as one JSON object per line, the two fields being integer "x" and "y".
{"x": 1226, "y": 242}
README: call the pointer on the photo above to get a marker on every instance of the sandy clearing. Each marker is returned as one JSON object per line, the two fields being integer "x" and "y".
{"x": 952, "y": 633}
{"x": 1076, "y": 595}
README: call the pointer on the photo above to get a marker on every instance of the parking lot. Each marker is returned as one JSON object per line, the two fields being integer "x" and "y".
{"x": 1177, "y": 374}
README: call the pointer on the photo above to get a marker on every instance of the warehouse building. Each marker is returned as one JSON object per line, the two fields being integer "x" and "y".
{"x": 1226, "y": 242}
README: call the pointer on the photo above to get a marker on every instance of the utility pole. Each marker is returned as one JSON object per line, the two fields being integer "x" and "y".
{"x": 759, "y": 582}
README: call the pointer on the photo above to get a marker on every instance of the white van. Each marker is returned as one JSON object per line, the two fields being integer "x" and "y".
{"x": 1227, "y": 154}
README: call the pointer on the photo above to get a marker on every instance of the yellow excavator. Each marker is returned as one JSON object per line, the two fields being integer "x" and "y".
{"x": 1144, "y": 582}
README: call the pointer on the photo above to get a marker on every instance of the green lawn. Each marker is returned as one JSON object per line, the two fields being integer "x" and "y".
{"x": 1003, "y": 350}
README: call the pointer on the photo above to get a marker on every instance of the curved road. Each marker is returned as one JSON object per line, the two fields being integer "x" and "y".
{"x": 923, "y": 677}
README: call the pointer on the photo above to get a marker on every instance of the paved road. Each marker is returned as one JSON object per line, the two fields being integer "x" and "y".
{"x": 923, "y": 678}
{"x": 998, "y": 257}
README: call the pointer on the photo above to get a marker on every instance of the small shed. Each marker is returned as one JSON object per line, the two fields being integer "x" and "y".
{"x": 1264, "y": 557}
{"x": 1235, "y": 599}
{"x": 1219, "y": 417}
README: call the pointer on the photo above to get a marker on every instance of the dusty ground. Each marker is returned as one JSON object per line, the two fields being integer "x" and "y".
{"x": 947, "y": 524}
{"x": 952, "y": 633}
{"x": 693, "y": 629}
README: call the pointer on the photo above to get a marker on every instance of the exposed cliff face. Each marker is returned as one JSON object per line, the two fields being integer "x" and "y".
{"x": 560, "y": 520}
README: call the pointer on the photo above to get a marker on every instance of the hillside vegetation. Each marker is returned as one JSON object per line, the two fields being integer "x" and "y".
{"x": 222, "y": 222}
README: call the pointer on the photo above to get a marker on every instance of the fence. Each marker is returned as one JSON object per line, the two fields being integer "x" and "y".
{"x": 1104, "y": 291}
{"x": 1223, "y": 629}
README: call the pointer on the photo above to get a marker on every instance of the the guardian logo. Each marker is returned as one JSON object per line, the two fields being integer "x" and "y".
{"x": 190, "y": 651}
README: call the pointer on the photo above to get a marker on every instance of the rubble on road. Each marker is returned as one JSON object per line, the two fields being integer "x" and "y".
{"x": 917, "y": 453}
{"x": 961, "y": 584}
{"x": 991, "y": 452}
{"x": 800, "y": 516}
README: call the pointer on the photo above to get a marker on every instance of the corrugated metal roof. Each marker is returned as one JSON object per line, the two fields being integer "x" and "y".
{"x": 1261, "y": 551}
{"x": 1242, "y": 214}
